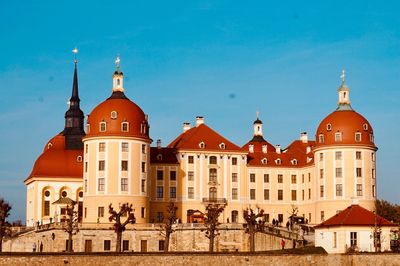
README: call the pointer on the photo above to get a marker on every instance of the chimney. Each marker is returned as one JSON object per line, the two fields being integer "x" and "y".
{"x": 186, "y": 126}
{"x": 304, "y": 137}
{"x": 278, "y": 149}
{"x": 159, "y": 144}
{"x": 199, "y": 120}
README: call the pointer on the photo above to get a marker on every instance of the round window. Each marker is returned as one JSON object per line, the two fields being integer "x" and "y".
{"x": 64, "y": 194}
{"x": 47, "y": 193}
{"x": 80, "y": 194}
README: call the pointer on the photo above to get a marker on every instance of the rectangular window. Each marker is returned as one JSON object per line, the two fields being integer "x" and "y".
{"x": 339, "y": 190}
{"x": 321, "y": 157}
{"x": 358, "y": 137}
{"x": 124, "y": 147}
{"x": 339, "y": 172}
{"x": 252, "y": 178}
{"x": 190, "y": 159}
{"x": 373, "y": 190}
{"x": 280, "y": 178}
{"x": 85, "y": 185}
{"x": 234, "y": 161}
{"x": 86, "y": 148}
{"x": 338, "y": 136}
{"x": 309, "y": 177}
{"x": 266, "y": 194}
{"x": 161, "y": 245}
{"x": 359, "y": 190}
{"x": 234, "y": 193}
{"x": 125, "y": 127}
{"x": 102, "y": 165}
{"x": 100, "y": 212}
{"x": 321, "y": 138}
{"x": 101, "y": 184}
{"x": 280, "y": 194}
{"x": 321, "y": 191}
{"x": 107, "y": 245}
{"x": 160, "y": 174}
{"x": 373, "y": 156}
{"x": 358, "y": 155}
{"x": 142, "y": 212}
{"x": 160, "y": 192}
{"x": 309, "y": 193}
{"x": 321, "y": 173}
{"x": 190, "y": 175}
{"x": 322, "y": 216}
{"x": 124, "y": 184}
{"x": 294, "y": 179}
{"x": 125, "y": 245}
{"x": 143, "y": 167}
{"x": 252, "y": 194}
{"x": 373, "y": 173}
{"x": 334, "y": 239}
{"x": 172, "y": 175}
{"x": 160, "y": 217}
{"x": 102, "y": 147}
{"x": 234, "y": 177}
{"x": 353, "y": 239}
{"x": 86, "y": 167}
{"x": 143, "y": 185}
{"x": 213, "y": 175}
{"x": 191, "y": 192}
{"x": 172, "y": 192}
{"x": 302, "y": 194}
{"x": 144, "y": 148}
{"x": 46, "y": 208}
{"x": 266, "y": 178}
{"x": 338, "y": 155}
{"x": 294, "y": 195}
{"x": 302, "y": 178}
{"x": 124, "y": 165}
{"x": 358, "y": 172}
{"x": 102, "y": 126}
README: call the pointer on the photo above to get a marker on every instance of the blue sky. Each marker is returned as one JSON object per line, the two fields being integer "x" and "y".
{"x": 220, "y": 59}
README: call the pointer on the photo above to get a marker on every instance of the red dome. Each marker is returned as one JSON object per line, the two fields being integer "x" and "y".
{"x": 354, "y": 129}
{"x": 116, "y": 111}
{"x": 56, "y": 161}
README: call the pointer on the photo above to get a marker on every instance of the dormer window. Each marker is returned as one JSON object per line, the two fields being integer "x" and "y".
{"x": 251, "y": 148}
{"x": 371, "y": 137}
{"x": 202, "y": 145}
{"x": 329, "y": 127}
{"x": 125, "y": 127}
{"x": 264, "y": 148}
{"x": 143, "y": 128}
{"x": 79, "y": 159}
{"x": 102, "y": 126}
{"x": 49, "y": 145}
{"x": 264, "y": 161}
{"x": 358, "y": 137}
{"x": 278, "y": 161}
{"x": 87, "y": 128}
{"x": 294, "y": 162}
{"x": 114, "y": 115}
{"x": 365, "y": 126}
{"x": 159, "y": 157}
{"x": 338, "y": 136}
{"x": 222, "y": 146}
{"x": 321, "y": 138}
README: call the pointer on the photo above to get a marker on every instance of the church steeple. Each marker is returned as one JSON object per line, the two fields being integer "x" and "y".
{"x": 73, "y": 130}
{"x": 344, "y": 95}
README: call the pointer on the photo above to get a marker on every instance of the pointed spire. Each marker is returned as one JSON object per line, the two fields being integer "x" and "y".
{"x": 257, "y": 126}
{"x": 344, "y": 94}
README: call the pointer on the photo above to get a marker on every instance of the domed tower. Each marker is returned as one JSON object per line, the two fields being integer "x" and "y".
{"x": 345, "y": 160}
{"x": 116, "y": 156}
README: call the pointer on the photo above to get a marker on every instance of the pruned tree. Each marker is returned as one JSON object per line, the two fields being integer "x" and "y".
{"x": 71, "y": 225}
{"x": 212, "y": 214}
{"x": 5, "y": 227}
{"x": 388, "y": 210}
{"x": 253, "y": 224}
{"x": 169, "y": 221}
{"x": 125, "y": 210}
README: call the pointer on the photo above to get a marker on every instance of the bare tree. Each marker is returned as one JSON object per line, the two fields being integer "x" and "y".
{"x": 293, "y": 212}
{"x": 253, "y": 224}
{"x": 71, "y": 225}
{"x": 213, "y": 211}
{"x": 169, "y": 221}
{"x": 125, "y": 210}
{"x": 5, "y": 208}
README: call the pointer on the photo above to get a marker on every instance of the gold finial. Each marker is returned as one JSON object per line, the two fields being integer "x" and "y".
{"x": 75, "y": 52}
{"x": 343, "y": 76}
{"x": 117, "y": 62}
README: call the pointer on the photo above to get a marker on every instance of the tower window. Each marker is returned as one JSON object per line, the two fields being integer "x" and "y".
{"x": 102, "y": 126}
{"x": 358, "y": 137}
{"x": 102, "y": 147}
{"x": 365, "y": 126}
{"x": 87, "y": 128}
{"x": 79, "y": 159}
{"x": 124, "y": 165}
{"x": 124, "y": 126}
{"x": 338, "y": 155}
{"x": 222, "y": 146}
{"x": 358, "y": 155}
{"x": 321, "y": 138}
{"x": 124, "y": 146}
{"x": 338, "y": 136}
{"x": 329, "y": 127}
{"x": 114, "y": 115}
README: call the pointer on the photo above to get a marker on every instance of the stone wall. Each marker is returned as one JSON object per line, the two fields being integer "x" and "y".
{"x": 199, "y": 259}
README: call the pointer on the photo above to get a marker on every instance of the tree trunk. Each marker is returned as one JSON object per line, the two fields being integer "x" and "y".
{"x": 166, "y": 246}
{"x": 69, "y": 241}
{"x": 119, "y": 238}
{"x": 211, "y": 247}
{"x": 1, "y": 243}
{"x": 252, "y": 240}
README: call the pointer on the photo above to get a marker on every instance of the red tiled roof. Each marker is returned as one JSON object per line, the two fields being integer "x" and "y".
{"x": 56, "y": 161}
{"x": 355, "y": 215}
{"x": 163, "y": 156}
{"x": 191, "y": 139}
{"x": 297, "y": 150}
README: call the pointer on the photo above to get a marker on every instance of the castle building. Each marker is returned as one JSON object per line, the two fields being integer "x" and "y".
{"x": 112, "y": 162}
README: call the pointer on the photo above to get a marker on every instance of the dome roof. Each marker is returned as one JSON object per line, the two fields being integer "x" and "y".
{"x": 354, "y": 129}
{"x": 121, "y": 116}
{"x": 57, "y": 161}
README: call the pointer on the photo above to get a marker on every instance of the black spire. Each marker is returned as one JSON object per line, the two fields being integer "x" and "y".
{"x": 73, "y": 130}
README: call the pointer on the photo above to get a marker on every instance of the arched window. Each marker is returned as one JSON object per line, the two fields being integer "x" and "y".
{"x": 202, "y": 145}
{"x": 213, "y": 175}
{"x": 235, "y": 216}
{"x": 213, "y": 193}
{"x": 46, "y": 202}
{"x": 103, "y": 127}
{"x": 124, "y": 126}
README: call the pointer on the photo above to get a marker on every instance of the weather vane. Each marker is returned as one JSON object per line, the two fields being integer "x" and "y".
{"x": 117, "y": 62}
{"x": 343, "y": 76}
{"x": 75, "y": 52}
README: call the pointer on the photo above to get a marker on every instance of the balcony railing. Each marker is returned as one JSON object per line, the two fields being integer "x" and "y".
{"x": 215, "y": 200}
